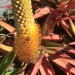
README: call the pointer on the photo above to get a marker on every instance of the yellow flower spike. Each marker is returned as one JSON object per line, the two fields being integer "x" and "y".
{"x": 28, "y": 38}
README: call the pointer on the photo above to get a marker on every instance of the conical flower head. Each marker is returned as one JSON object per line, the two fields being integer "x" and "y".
{"x": 28, "y": 38}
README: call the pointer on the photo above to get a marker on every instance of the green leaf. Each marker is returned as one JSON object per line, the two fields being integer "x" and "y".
{"x": 2, "y": 39}
{"x": 72, "y": 27}
{"x": 52, "y": 44}
{"x": 8, "y": 73}
{"x": 15, "y": 71}
{"x": 6, "y": 62}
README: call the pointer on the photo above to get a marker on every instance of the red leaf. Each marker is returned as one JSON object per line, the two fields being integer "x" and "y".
{"x": 68, "y": 58}
{"x": 66, "y": 28}
{"x": 53, "y": 37}
{"x": 63, "y": 63}
{"x": 71, "y": 5}
{"x": 36, "y": 67}
{"x": 41, "y": 12}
